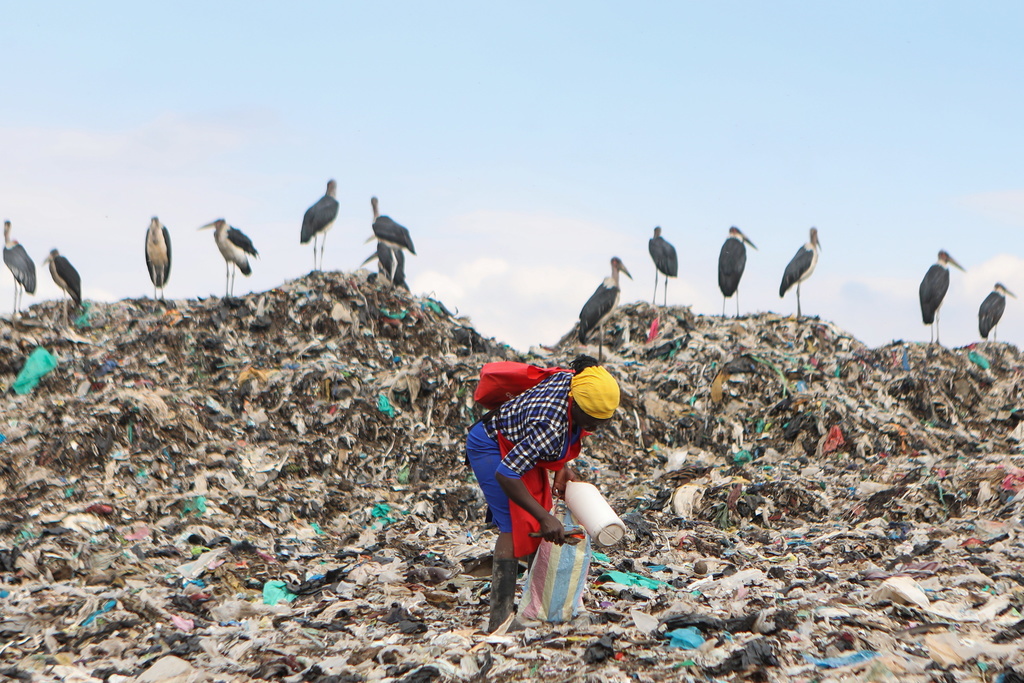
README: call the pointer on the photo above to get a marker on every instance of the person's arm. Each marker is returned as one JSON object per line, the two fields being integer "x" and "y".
{"x": 550, "y": 528}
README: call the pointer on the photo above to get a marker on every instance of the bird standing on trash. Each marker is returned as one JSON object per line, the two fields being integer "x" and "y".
{"x": 800, "y": 268}
{"x": 389, "y": 232}
{"x": 665, "y": 262}
{"x": 514, "y": 447}
{"x": 158, "y": 255}
{"x": 731, "y": 262}
{"x": 391, "y": 264}
{"x": 66, "y": 277}
{"x": 991, "y": 310}
{"x": 933, "y": 290}
{"x": 235, "y": 247}
{"x": 318, "y": 219}
{"x": 22, "y": 268}
{"x": 600, "y": 305}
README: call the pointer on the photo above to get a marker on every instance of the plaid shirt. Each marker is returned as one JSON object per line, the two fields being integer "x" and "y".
{"x": 536, "y": 421}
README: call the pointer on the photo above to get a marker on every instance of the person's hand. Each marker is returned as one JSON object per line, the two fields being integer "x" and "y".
{"x": 561, "y": 477}
{"x": 551, "y": 529}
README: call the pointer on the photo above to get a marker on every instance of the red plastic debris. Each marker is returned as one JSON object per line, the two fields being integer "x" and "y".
{"x": 655, "y": 324}
{"x": 834, "y": 441}
{"x": 100, "y": 509}
{"x": 1014, "y": 480}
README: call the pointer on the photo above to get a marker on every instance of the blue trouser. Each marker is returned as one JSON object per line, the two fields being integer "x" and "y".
{"x": 484, "y": 456}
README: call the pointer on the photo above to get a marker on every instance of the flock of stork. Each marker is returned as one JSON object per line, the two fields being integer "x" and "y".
{"x": 234, "y": 245}
{"x": 393, "y": 240}
{"x": 733, "y": 259}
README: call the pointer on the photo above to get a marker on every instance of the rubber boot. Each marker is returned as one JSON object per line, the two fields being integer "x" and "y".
{"x": 503, "y": 591}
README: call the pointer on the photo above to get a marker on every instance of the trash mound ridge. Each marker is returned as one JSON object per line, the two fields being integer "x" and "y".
{"x": 272, "y": 487}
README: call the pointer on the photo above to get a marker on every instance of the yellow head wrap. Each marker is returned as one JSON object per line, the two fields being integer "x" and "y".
{"x": 596, "y": 392}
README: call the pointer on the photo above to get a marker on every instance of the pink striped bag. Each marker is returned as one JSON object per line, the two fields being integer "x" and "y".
{"x": 558, "y": 576}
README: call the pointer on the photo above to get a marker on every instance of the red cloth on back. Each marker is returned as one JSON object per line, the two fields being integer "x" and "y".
{"x": 505, "y": 379}
{"x": 538, "y": 484}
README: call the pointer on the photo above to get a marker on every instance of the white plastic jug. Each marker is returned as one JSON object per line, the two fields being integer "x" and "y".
{"x": 590, "y": 508}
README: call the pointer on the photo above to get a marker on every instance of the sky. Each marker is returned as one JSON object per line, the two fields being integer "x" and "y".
{"x": 525, "y": 144}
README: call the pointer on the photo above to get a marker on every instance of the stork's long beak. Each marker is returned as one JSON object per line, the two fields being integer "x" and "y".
{"x": 745, "y": 239}
{"x": 369, "y": 258}
{"x": 953, "y": 262}
{"x": 47, "y": 259}
{"x": 209, "y": 226}
{"x": 623, "y": 269}
{"x": 1009, "y": 292}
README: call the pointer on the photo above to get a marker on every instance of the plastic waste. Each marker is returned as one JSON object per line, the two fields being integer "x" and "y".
{"x": 842, "y": 660}
{"x": 276, "y": 591}
{"x": 686, "y": 638}
{"x": 37, "y": 365}
{"x": 591, "y": 509}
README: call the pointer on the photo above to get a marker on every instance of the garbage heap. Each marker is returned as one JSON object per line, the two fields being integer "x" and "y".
{"x": 272, "y": 487}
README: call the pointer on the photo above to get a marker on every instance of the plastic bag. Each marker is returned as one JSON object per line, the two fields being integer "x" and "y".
{"x": 39, "y": 362}
{"x": 502, "y": 380}
{"x": 558, "y": 576}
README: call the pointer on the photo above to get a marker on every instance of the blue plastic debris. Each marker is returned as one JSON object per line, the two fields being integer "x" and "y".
{"x": 687, "y": 638}
{"x": 107, "y": 606}
{"x": 844, "y": 660}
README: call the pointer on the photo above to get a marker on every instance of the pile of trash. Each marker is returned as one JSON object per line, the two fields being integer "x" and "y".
{"x": 272, "y": 487}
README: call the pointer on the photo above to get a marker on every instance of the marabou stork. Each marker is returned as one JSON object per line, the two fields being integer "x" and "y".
{"x": 318, "y": 219}
{"x": 665, "y": 262}
{"x": 800, "y": 268}
{"x": 390, "y": 232}
{"x": 66, "y": 277}
{"x": 235, "y": 247}
{"x": 21, "y": 265}
{"x": 992, "y": 310}
{"x": 933, "y": 289}
{"x": 731, "y": 262}
{"x": 158, "y": 255}
{"x": 390, "y": 263}
{"x": 600, "y": 305}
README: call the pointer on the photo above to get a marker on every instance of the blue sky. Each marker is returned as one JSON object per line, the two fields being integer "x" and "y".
{"x": 524, "y": 144}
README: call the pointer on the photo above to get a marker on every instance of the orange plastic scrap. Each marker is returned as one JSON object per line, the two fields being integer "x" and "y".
{"x": 172, "y": 317}
{"x": 253, "y": 373}
{"x": 835, "y": 440}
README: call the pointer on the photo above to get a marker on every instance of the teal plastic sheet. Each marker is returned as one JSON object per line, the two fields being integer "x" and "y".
{"x": 37, "y": 365}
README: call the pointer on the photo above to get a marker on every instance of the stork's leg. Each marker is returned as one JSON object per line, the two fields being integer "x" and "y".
{"x": 664, "y": 301}
{"x": 323, "y": 242}
{"x": 937, "y": 328}
{"x": 314, "y": 251}
{"x": 654, "y": 299}
{"x": 798, "y": 301}
{"x": 723, "y": 305}
{"x": 227, "y": 278}
{"x": 737, "y": 303}
{"x": 14, "y": 312}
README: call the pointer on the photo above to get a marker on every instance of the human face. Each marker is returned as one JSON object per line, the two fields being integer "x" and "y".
{"x": 586, "y": 422}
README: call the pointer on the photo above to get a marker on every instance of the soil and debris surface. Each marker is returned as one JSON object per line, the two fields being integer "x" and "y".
{"x": 273, "y": 487}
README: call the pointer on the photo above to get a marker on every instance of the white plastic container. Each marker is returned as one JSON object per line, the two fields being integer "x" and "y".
{"x": 590, "y": 508}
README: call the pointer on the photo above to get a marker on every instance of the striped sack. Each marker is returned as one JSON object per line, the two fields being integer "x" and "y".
{"x": 554, "y": 589}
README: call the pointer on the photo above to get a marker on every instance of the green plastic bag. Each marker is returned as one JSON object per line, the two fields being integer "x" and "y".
{"x": 39, "y": 362}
